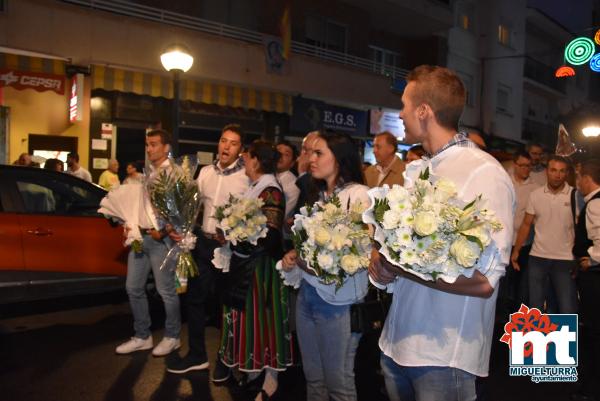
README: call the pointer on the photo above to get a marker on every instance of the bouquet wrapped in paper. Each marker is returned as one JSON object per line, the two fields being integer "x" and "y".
{"x": 124, "y": 204}
{"x": 175, "y": 198}
{"x": 243, "y": 223}
{"x": 332, "y": 241}
{"x": 428, "y": 231}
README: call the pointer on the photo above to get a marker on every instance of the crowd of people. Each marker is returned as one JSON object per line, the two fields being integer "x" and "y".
{"x": 437, "y": 337}
{"x": 109, "y": 179}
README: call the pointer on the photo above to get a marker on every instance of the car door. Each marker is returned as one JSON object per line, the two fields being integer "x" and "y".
{"x": 65, "y": 241}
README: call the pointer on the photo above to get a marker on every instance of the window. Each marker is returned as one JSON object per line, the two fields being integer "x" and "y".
{"x": 385, "y": 60}
{"x": 49, "y": 195}
{"x": 467, "y": 80}
{"x": 504, "y": 34}
{"x": 503, "y": 95}
{"x": 464, "y": 14}
{"x": 325, "y": 33}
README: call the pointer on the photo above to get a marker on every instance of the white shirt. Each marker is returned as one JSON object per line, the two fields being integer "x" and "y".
{"x": 81, "y": 173}
{"x": 554, "y": 230}
{"x": 539, "y": 177}
{"x": 522, "y": 191}
{"x": 355, "y": 287}
{"x": 592, "y": 225}
{"x": 215, "y": 189}
{"x": 287, "y": 179}
{"x": 428, "y": 327}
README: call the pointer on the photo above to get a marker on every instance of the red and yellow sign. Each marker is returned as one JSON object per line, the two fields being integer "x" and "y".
{"x": 38, "y": 81}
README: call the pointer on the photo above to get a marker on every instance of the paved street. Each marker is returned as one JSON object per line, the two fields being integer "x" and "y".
{"x": 69, "y": 354}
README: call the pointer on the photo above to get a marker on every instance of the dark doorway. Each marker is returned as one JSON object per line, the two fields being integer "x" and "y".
{"x": 131, "y": 144}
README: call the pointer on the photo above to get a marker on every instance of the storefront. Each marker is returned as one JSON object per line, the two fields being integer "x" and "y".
{"x": 35, "y": 97}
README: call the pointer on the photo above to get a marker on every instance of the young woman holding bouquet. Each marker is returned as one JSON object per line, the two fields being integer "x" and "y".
{"x": 327, "y": 344}
{"x": 255, "y": 334}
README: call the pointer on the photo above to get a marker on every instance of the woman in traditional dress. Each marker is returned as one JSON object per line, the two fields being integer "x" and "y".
{"x": 327, "y": 343}
{"x": 255, "y": 334}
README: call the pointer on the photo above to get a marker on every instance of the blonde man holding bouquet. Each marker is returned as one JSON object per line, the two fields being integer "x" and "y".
{"x": 139, "y": 264}
{"x": 437, "y": 336}
{"x": 327, "y": 344}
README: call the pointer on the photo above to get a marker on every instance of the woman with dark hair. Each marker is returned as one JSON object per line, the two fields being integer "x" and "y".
{"x": 327, "y": 344}
{"x": 54, "y": 165}
{"x": 255, "y": 333}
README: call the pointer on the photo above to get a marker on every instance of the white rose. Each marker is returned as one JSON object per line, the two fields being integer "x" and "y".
{"x": 480, "y": 232}
{"x": 465, "y": 252}
{"x": 350, "y": 263}
{"x": 397, "y": 194}
{"x": 444, "y": 190}
{"x": 322, "y": 236}
{"x": 425, "y": 223}
{"x": 325, "y": 261}
{"x": 391, "y": 219}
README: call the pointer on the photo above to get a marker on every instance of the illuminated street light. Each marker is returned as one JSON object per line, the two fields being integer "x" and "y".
{"x": 177, "y": 60}
{"x": 592, "y": 131}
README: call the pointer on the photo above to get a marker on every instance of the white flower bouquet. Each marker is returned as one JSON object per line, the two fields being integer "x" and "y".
{"x": 175, "y": 198}
{"x": 332, "y": 241}
{"x": 123, "y": 204}
{"x": 427, "y": 230}
{"x": 242, "y": 222}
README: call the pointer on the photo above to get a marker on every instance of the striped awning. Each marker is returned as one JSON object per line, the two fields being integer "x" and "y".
{"x": 32, "y": 64}
{"x": 141, "y": 83}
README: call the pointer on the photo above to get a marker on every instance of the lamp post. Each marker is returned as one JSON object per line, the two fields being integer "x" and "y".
{"x": 176, "y": 59}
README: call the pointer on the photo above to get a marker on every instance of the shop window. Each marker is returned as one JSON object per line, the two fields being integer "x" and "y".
{"x": 465, "y": 16}
{"x": 326, "y": 33}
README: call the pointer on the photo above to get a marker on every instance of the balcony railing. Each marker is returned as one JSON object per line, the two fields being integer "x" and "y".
{"x": 215, "y": 28}
{"x": 543, "y": 74}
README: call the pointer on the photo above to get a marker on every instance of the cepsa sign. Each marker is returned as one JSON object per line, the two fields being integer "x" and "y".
{"x": 32, "y": 80}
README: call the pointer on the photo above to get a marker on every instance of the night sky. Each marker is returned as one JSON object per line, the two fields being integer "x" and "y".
{"x": 575, "y": 15}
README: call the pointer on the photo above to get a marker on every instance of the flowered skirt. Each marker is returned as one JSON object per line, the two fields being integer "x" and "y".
{"x": 259, "y": 335}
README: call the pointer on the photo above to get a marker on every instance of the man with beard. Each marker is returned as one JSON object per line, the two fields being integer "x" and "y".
{"x": 551, "y": 209}
{"x": 75, "y": 169}
{"x": 226, "y": 176}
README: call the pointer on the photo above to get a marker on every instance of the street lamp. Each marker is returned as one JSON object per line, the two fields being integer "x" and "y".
{"x": 177, "y": 59}
{"x": 591, "y": 131}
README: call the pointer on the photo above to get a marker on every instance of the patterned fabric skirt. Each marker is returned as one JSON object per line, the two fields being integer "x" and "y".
{"x": 259, "y": 336}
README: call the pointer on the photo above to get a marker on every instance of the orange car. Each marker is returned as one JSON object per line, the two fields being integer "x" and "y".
{"x": 52, "y": 240}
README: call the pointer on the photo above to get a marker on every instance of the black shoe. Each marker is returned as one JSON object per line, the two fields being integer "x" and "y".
{"x": 221, "y": 372}
{"x": 186, "y": 364}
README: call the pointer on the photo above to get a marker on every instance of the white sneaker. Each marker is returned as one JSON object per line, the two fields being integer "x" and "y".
{"x": 135, "y": 344}
{"x": 166, "y": 346}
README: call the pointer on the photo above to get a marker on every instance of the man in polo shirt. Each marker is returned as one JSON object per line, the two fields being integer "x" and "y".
{"x": 216, "y": 182}
{"x": 389, "y": 167}
{"x": 551, "y": 210}
{"x": 587, "y": 252}
{"x": 437, "y": 336}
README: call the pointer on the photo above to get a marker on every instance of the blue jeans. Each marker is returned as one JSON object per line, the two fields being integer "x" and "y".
{"x": 427, "y": 383}
{"x": 327, "y": 346}
{"x": 558, "y": 272}
{"x": 138, "y": 269}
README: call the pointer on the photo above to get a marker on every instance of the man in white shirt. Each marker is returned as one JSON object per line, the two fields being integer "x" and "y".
{"x": 155, "y": 247}
{"x": 75, "y": 169}
{"x": 215, "y": 182}
{"x": 437, "y": 336}
{"x": 516, "y": 280}
{"x": 551, "y": 209}
{"x": 587, "y": 252}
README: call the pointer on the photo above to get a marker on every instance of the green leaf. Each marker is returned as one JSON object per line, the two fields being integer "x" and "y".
{"x": 381, "y": 206}
{"x": 424, "y": 174}
{"x": 476, "y": 240}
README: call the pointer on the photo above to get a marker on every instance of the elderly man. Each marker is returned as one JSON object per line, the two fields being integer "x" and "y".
{"x": 109, "y": 178}
{"x": 389, "y": 167}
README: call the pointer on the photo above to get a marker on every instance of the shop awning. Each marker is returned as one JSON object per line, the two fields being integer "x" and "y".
{"x": 32, "y": 64}
{"x": 141, "y": 83}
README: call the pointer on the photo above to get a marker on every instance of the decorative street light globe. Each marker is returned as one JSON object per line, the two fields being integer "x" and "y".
{"x": 177, "y": 58}
{"x": 591, "y": 131}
